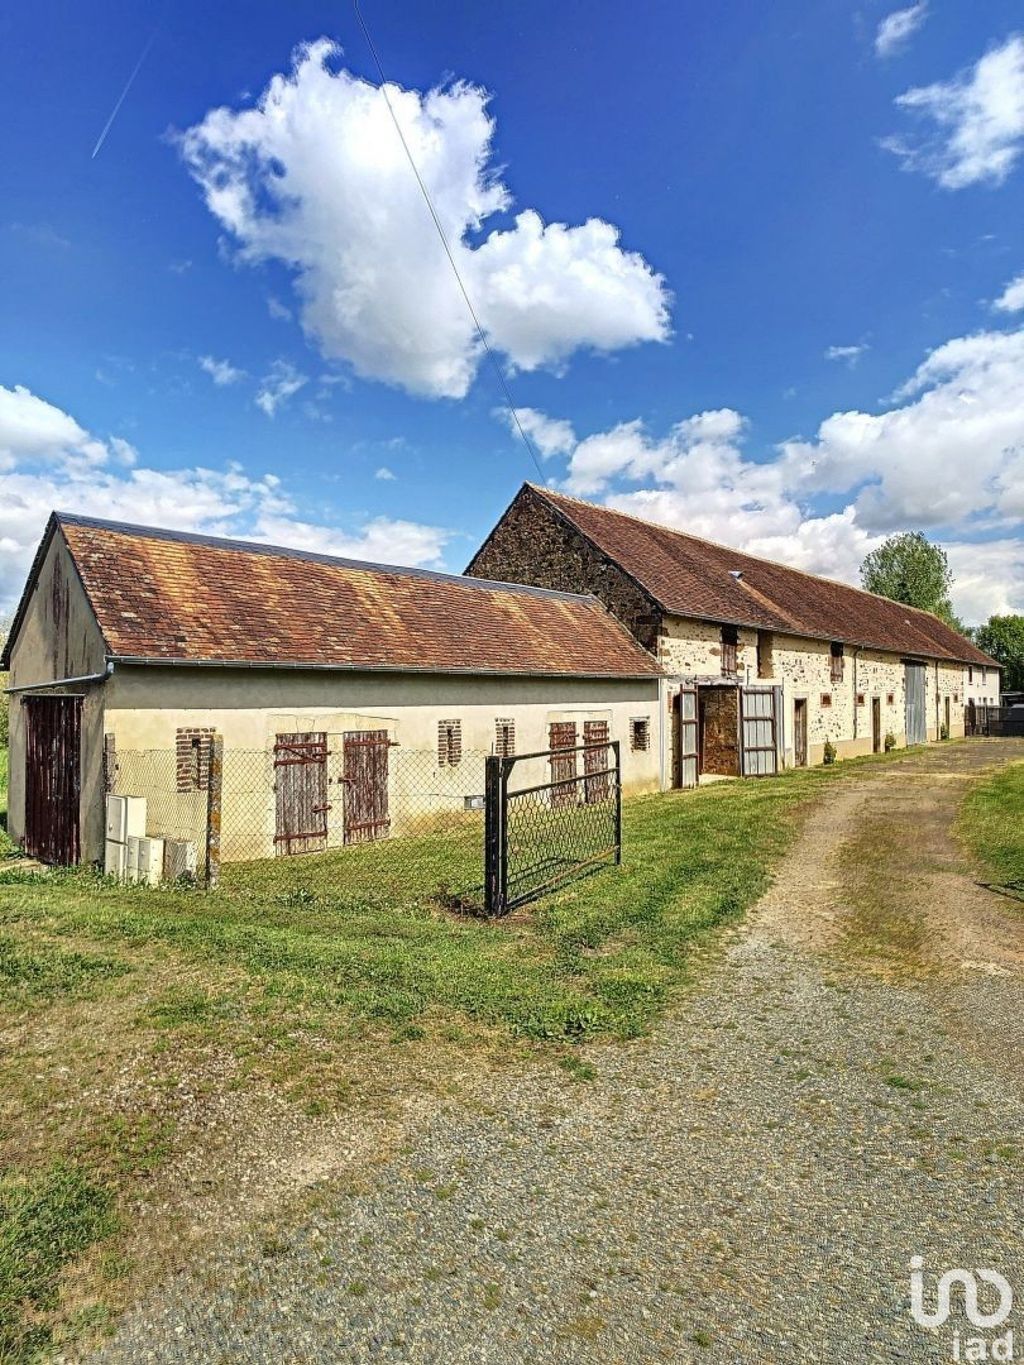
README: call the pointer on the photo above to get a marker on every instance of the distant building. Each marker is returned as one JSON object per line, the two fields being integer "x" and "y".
{"x": 765, "y": 664}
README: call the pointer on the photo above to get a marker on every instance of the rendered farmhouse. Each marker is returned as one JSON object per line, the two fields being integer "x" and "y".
{"x": 574, "y": 624}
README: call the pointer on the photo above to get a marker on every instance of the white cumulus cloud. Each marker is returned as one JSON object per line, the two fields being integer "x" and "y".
{"x": 945, "y": 456}
{"x": 314, "y": 175}
{"x": 896, "y": 29}
{"x": 282, "y": 383}
{"x": 1011, "y": 300}
{"x": 849, "y": 354}
{"x": 220, "y": 371}
{"x": 978, "y": 118}
{"x": 550, "y": 435}
{"x": 48, "y": 461}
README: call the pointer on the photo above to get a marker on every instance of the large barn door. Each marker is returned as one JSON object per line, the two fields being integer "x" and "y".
{"x": 917, "y": 721}
{"x": 596, "y": 761}
{"x": 53, "y": 778}
{"x": 686, "y": 714}
{"x": 300, "y": 783}
{"x": 365, "y": 754}
{"x": 758, "y": 739}
{"x": 562, "y": 735}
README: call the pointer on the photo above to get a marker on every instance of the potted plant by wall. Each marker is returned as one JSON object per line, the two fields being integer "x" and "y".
{"x": 830, "y": 752}
{"x": 890, "y": 742}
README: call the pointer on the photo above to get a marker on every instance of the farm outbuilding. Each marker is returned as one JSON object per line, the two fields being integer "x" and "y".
{"x": 346, "y": 696}
{"x": 765, "y": 664}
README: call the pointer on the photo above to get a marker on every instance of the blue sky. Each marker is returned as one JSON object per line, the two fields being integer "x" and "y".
{"x": 790, "y": 324}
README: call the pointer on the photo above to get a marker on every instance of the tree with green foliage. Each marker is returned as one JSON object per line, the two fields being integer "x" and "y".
{"x": 908, "y": 568}
{"x": 1003, "y": 638}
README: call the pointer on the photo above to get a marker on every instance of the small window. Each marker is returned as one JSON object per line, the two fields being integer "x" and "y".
{"x": 984, "y": 675}
{"x": 504, "y": 738}
{"x": 956, "y": 697}
{"x": 838, "y": 661}
{"x": 826, "y": 699}
{"x": 765, "y": 648}
{"x": 640, "y": 735}
{"x": 730, "y": 639}
{"x": 860, "y": 698}
{"x": 890, "y": 698}
{"x": 970, "y": 673}
{"x": 449, "y": 743}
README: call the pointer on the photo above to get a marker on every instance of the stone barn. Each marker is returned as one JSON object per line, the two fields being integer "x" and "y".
{"x": 339, "y": 689}
{"x": 766, "y": 664}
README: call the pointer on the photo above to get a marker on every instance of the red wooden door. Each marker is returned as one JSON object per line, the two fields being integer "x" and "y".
{"x": 596, "y": 761}
{"x": 562, "y": 735}
{"x": 366, "y": 785}
{"x": 53, "y": 778}
{"x": 300, "y": 784}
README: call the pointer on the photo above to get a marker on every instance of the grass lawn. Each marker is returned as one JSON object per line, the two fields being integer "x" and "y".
{"x": 126, "y": 1012}
{"x": 992, "y": 825}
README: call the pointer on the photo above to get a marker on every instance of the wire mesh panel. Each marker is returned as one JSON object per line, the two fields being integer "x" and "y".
{"x": 544, "y": 828}
{"x": 315, "y": 815}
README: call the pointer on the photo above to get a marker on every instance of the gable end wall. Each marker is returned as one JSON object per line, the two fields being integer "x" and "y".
{"x": 532, "y": 544}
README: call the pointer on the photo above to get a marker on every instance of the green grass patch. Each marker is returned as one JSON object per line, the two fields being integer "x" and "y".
{"x": 600, "y": 957}
{"x": 32, "y": 972}
{"x": 46, "y": 1221}
{"x": 991, "y": 824}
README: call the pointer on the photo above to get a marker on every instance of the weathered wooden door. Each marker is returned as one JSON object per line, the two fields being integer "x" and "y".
{"x": 53, "y": 778}
{"x": 876, "y": 725}
{"x": 596, "y": 761}
{"x": 759, "y": 746}
{"x": 300, "y": 785}
{"x": 365, "y": 754}
{"x": 948, "y": 721}
{"x": 800, "y": 732}
{"x": 562, "y": 735}
{"x": 686, "y": 719}
{"x": 917, "y": 721}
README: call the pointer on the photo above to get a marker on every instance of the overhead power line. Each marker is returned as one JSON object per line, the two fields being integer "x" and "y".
{"x": 447, "y": 249}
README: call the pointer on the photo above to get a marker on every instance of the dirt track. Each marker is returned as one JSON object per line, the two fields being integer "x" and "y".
{"x": 843, "y": 1092}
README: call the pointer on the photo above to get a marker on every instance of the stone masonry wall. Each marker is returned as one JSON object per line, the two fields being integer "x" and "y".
{"x": 533, "y": 544}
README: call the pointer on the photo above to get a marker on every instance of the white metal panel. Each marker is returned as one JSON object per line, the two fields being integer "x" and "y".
{"x": 151, "y": 861}
{"x": 126, "y": 815}
{"x": 114, "y": 859}
{"x": 131, "y": 866}
{"x": 180, "y": 859}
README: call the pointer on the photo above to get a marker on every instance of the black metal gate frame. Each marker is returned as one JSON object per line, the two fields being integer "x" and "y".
{"x": 497, "y": 770}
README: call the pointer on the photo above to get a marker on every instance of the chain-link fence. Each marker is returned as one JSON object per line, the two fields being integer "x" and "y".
{"x": 317, "y": 815}
{"x": 358, "y": 816}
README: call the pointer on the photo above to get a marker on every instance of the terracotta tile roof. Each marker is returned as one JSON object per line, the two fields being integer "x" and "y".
{"x": 165, "y": 595}
{"x": 687, "y": 576}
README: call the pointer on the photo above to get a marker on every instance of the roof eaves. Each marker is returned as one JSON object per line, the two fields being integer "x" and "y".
{"x": 159, "y": 661}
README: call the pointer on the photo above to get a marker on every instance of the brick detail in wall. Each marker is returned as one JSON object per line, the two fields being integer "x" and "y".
{"x": 533, "y": 544}
{"x": 192, "y": 758}
{"x": 449, "y": 743}
{"x": 504, "y": 738}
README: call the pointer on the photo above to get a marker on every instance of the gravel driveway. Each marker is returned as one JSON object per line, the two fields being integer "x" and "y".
{"x": 749, "y": 1184}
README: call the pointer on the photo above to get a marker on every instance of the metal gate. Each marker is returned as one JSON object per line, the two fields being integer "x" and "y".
{"x": 53, "y": 778}
{"x": 759, "y": 740}
{"x": 365, "y": 754}
{"x": 917, "y": 721}
{"x": 540, "y": 835}
{"x": 300, "y": 786}
{"x": 686, "y": 718}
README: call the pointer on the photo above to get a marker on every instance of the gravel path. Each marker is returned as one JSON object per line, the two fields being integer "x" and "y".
{"x": 749, "y": 1184}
